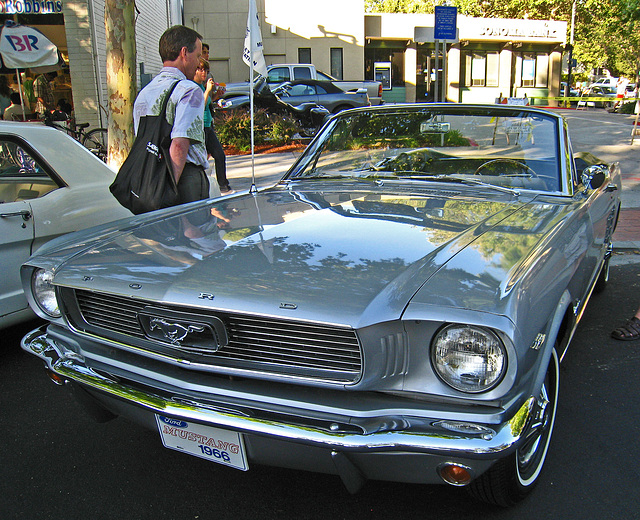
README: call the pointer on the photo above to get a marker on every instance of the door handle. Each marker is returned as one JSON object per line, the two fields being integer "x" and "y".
{"x": 26, "y": 215}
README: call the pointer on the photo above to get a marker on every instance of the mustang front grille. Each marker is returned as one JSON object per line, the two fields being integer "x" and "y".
{"x": 255, "y": 343}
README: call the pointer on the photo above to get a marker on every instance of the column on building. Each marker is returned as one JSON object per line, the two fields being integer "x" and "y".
{"x": 410, "y": 72}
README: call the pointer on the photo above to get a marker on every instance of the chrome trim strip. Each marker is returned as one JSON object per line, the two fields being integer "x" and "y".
{"x": 429, "y": 439}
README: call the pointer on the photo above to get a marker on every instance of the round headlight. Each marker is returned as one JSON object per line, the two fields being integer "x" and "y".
{"x": 469, "y": 359}
{"x": 44, "y": 292}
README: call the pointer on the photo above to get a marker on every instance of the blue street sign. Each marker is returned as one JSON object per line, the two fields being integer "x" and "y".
{"x": 446, "y": 22}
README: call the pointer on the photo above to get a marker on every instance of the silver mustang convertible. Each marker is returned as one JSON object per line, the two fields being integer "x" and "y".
{"x": 394, "y": 308}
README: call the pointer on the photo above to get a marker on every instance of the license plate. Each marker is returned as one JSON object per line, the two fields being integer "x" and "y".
{"x": 214, "y": 444}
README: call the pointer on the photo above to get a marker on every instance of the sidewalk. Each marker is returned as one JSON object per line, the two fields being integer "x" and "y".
{"x": 269, "y": 168}
{"x": 627, "y": 234}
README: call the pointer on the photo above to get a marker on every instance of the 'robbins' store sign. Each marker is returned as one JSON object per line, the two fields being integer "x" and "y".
{"x": 30, "y": 6}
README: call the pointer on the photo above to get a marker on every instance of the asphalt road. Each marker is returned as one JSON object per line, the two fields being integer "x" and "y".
{"x": 56, "y": 463}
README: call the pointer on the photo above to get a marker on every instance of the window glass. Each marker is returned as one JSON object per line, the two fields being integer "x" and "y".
{"x": 279, "y": 75}
{"x": 528, "y": 70}
{"x": 301, "y": 90}
{"x": 336, "y": 63}
{"x": 493, "y": 69}
{"x": 478, "y": 70}
{"x": 542, "y": 70}
{"x": 301, "y": 73}
{"x": 304, "y": 55}
{"x": 482, "y": 69}
{"x": 21, "y": 176}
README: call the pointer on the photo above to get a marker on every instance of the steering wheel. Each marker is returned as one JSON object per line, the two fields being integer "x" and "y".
{"x": 525, "y": 171}
{"x": 416, "y": 162}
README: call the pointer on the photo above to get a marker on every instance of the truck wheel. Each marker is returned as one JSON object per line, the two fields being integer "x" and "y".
{"x": 512, "y": 478}
{"x": 341, "y": 108}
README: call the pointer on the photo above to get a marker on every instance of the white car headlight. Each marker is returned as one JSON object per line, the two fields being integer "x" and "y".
{"x": 469, "y": 359}
{"x": 44, "y": 292}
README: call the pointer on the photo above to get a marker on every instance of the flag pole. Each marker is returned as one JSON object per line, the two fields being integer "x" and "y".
{"x": 251, "y": 45}
{"x": 253, "y": 56}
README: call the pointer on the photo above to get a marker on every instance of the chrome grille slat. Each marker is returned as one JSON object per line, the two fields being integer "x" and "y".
{"x": 283, "y": 357}
{"x": 275, "y": 339}
{"x": 265, "y": 345}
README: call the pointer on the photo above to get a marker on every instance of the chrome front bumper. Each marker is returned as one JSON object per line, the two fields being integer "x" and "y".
{"x": 421, "y": 437}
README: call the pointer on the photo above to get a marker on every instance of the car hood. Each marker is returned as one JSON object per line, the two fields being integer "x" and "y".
{"x": 339, "y": 256}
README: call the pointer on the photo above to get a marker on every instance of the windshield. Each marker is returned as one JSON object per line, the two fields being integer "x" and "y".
{"x": 512, "y": 148}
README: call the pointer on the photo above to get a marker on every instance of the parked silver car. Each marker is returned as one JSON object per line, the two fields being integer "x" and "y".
{"x": 395, "y": 308}
{"x": 49, "y": 185}
{"x": 598, "y": 96}
{"x": 324, "y": 93}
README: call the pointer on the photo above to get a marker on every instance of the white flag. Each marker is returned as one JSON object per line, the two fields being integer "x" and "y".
{"x": 253, "y": 42}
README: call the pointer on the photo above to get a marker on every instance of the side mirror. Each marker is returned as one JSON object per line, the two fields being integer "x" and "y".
{"x": 594, "y": 176}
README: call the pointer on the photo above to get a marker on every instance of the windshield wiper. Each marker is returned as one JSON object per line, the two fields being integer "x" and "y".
{"x": 357, "y": 178}
{"x": 458, "y": 180}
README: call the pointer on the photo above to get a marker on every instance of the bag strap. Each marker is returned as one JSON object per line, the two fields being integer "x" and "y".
{"x": 163, "y": 113}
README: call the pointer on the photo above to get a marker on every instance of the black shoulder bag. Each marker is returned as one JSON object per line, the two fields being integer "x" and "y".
{"x": 145, "y": 181}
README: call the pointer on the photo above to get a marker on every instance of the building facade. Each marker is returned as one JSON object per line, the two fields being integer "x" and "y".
{"x": 328, "y": 33}
{"x": 491, "y": 57}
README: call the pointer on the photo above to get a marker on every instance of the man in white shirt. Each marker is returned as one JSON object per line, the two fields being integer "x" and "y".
{"x": 180, "y": 49}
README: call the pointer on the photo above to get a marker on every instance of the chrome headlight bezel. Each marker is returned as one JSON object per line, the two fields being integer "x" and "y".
{"x": 468, "y": 358}
{"x": 44, "y": 293}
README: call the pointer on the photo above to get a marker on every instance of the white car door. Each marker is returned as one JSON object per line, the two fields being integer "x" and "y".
{"x": 23, "y": 183}
{"x": 16, "y": 239}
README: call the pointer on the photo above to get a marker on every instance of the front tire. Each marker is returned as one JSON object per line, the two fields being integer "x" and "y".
{"x": 512, "y": 478}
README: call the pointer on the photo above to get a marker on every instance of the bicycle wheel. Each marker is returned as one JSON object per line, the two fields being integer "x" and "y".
{"x": 96, "y": 141}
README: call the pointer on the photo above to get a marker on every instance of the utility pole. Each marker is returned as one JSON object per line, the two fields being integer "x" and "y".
{"x": 567, "y": 89}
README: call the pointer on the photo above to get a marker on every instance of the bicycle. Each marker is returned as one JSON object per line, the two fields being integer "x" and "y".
{"x": 94, "y": 140}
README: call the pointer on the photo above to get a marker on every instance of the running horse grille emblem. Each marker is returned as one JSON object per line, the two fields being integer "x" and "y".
{"x": 202, "y": 335}
{"x": 174, "y": 332}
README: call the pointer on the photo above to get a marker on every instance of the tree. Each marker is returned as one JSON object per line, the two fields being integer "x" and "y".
{"x": 612, "y": 39}
{"x": 121, "y": 77}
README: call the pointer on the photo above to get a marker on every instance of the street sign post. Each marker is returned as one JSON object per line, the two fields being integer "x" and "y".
{"x": 446, "y": 23}
{"x": 445, "y": 31}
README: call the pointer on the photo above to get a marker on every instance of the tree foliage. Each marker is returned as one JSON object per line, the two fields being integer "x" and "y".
{"x": 607, "y": 32}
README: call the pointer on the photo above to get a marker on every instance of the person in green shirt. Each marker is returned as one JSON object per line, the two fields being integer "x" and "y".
{"x": 212, "y": 143}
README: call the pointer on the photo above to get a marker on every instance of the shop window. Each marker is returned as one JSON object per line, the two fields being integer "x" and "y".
{"x": 532, "y": 70}
{"x": 529, "y": 70}
{"x": 542, "y": 70}
{"x": 336, "y": 63}
{"x": 482, "y": 69}
{"x": 304, "y": 55}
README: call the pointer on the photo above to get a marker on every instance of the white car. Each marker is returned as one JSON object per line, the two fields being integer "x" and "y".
{"x": 607, "y": 82}
{"x": 49, "y": 185}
